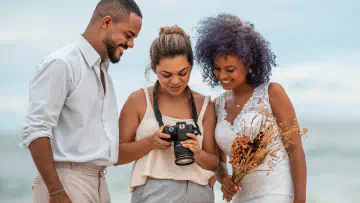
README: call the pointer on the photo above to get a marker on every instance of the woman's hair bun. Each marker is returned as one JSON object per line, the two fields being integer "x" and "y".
{"x": 173, "y": 30}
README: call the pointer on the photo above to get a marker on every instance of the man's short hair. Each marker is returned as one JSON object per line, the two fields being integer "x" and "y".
{"x": 116, "y": 9}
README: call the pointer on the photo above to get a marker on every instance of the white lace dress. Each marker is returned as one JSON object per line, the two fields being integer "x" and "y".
{"x": 277, "y": 187}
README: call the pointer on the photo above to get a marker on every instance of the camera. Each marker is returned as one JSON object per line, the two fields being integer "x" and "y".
{"x": 183, "y": 156}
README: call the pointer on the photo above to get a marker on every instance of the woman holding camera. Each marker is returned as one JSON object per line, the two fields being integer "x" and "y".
{"x": 164, "y": 171}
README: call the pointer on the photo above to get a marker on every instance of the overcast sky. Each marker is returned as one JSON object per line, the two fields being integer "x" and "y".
{"x": 316, "y": 42}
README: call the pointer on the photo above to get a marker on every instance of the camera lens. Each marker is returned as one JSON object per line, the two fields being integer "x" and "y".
{"x": 183, "y": 161}
{"x": 183, "y": 156}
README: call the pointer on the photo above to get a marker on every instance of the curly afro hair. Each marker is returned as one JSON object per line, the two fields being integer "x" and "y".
{"x": 225, "y": 35}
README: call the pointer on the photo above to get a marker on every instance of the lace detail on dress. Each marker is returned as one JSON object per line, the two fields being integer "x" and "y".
{"x": 220, "y": 107}
{"x": 260, "y": 97}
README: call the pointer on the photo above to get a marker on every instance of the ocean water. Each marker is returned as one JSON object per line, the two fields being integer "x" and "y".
{"x": 332, "y": 153}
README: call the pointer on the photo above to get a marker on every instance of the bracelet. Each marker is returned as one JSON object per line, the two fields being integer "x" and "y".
{"x": 53, "y": 193}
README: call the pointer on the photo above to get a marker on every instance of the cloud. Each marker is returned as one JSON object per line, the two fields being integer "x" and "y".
{"x": 330, "y": 82}
{"x": 40, "y": 27}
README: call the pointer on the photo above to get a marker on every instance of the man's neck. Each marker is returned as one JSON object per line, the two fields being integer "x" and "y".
{"x": 94, "y": 40}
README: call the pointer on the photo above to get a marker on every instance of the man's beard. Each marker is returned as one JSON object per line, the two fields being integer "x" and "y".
{"x": 111, "y": 49}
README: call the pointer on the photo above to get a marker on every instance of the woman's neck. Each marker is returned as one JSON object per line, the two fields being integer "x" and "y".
{"x": 242, "y": 89}
{"x": 170, "y": 96}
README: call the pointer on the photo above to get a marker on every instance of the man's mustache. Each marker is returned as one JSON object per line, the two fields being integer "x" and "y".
{"x": 112, "y": 45}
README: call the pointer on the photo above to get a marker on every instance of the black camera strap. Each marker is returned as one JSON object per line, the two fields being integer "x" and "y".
{"x": 158, "y": 114}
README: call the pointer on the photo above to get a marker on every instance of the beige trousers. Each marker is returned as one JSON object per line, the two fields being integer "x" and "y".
{"x": 83, "y": 182}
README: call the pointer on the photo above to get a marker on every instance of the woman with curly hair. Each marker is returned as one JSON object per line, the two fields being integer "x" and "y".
{"x": 231, "y": 53}
{"x": 166, "y": 171}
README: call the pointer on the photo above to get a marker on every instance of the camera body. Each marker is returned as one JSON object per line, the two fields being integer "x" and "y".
{"x": 183, "y": 156}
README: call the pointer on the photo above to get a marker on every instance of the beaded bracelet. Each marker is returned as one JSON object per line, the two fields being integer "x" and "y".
{"x": 53, "y": 193}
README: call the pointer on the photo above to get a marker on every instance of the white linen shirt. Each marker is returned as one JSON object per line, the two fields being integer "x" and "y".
{"x": 68, "y": 105}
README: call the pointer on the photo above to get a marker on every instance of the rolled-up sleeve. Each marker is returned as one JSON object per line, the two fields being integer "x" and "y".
{"x": 48, "y": 91}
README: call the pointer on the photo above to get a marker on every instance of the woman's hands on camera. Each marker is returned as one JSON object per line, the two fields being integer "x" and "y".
{"x": 192, "y": 144}
{"x": 156, "y": 141}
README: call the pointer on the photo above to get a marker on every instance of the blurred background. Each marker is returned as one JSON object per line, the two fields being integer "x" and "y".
{"x": 317, "y": 48}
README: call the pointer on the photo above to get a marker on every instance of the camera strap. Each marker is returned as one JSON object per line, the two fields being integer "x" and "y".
{"x": 157, "y": 112}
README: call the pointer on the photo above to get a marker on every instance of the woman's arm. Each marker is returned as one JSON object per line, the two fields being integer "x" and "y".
{"x": 222, "y": 175}
{"x": 131, "y": 150}
{"x": 206, "y": 157}
{"x": 222, "y": 171}
{"x": 285, "y": 113}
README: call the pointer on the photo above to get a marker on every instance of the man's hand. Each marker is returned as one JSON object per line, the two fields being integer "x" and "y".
{"x": 60, "y": 197}
{"x": 43, "y": 157}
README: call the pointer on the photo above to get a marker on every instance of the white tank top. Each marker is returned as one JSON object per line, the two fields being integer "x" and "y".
{"x": 159, "y": 163}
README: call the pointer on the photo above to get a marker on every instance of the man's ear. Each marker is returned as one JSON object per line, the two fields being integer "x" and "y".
{"x": 106, "y": 22}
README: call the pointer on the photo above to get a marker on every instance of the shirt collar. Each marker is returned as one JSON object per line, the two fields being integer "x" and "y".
{"x": 90, "y": 55}
{"x": 106, "y": 64}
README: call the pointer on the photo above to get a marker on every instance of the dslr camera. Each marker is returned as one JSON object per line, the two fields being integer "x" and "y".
{"x": 183, "y": 156}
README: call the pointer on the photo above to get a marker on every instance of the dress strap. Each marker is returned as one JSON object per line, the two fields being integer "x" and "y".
{"x": 261, "y": 98}
{"x": 204, "y": 107}
{"x": 148, "y": 100}
{"x": 220, "y": 107}
{"x": 266, "y": 92}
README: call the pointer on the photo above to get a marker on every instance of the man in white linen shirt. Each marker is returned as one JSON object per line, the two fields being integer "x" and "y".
{"x": 71, "y": 126}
